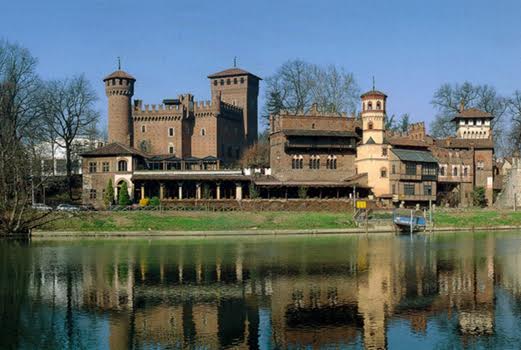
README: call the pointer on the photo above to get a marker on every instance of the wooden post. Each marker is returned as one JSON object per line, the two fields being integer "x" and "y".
{"x": 180, "y": 190}
{"x": 143, "y": 190}
{"x": 218, "y": 191}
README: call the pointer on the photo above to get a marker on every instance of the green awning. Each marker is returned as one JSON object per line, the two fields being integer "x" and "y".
{"x": 408, "y": 155}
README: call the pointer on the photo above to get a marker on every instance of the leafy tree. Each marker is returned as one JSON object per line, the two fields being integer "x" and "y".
{"x": 404, "y": 123}
{"x": 123, "y": 197}
{"x": 108, "y": 198}
{"x": 478, "y": 197}
{"x": 257, "y": 155}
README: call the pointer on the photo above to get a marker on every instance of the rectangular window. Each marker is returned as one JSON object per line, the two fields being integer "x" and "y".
{"x": 410, "y": 168}
{"x": 92, "y": 167}
{"x": 408, "y": 189}
{"x": 393, "y": 169}
{"x": 106, "y": 167}
{"x": 171, "y": 149}
{"x": 429, "y": 169}
{"x": 171, "y": 132}
{"x": 393, "y": 189}
{"x": 92, "y": 194}
{"x": 427, "y": 190}
{"x": 384, "y": 152}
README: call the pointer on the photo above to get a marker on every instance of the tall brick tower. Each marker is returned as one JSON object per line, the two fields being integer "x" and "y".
{"x": 119, "y": 88}
{"x": 240, "y": 88}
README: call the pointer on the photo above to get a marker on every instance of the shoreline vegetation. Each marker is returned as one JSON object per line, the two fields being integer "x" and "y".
{"x": 129, "y": 223}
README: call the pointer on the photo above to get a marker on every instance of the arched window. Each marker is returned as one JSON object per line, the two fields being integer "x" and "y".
{"x": 383, "y": 172}
{"x": 378, "y": 105}
{"x": 203, "y": 132}
{"x": 242, "y": 80}
{"x": 122, "y": 165}
{"x": 215, "y": 82}
{"x": 455, "y": 171}
{"x": 369, "y": 106}
{"x": 235, "y": 80}
{"x": 143, "y": 128}
{"x": 228, "y": 81}
{"x": 465, "y": 171}
{"x": 222, "y": 81}
{"x": 442, "y": 171}
{"x": 370, "y": 125}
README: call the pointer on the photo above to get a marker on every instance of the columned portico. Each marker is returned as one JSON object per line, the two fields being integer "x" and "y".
{"x": 238, "y": 191}
{"x": 180, "y": 190}
{"x": 198, "y": 190}
{"x": 218, "y": 190}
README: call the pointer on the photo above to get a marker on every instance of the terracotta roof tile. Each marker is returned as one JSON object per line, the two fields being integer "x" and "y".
{"x": 373, "y": 93}
{"x": 119, "y": 74}
{"x": 454, "y": 142}
{"x": 473, "y": 113}
{"x": 113, "y": 149}
{"x": 230, "y": 73}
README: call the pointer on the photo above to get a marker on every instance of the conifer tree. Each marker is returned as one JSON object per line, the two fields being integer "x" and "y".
{"x": 108, "y": 198}
{"x": 123, "y": 197}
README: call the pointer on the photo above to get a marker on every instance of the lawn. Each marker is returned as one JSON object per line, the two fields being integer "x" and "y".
{"x": 199, "y": 221}
{"x": 476, "y": 218}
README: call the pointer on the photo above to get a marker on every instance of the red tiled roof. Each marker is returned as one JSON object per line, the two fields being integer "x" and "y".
{"x": 473, "y": 113}
{"x": 373, "y": 93}
{"x": 406, "y": 141}
{"x": 453, "y": 142}
{"x": 113, "y": 149}
{"x": 119, "y": 74}
{"x": 231, "y": 72}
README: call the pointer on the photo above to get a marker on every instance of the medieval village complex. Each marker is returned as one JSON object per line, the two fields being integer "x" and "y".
{"x": 187, "y": 149}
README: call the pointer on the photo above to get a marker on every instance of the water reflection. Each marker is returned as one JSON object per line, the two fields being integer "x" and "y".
{"x": 304, "y": 292}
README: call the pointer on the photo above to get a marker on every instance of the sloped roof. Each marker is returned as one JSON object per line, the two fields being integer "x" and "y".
{"x": 472, "y": 113}
{"x": 407, "y": 141}
{"x": 119, "y": 74}
{"x": 312, "y": 132}
{"x": 231, "y": 72}
{"x": 370, "y": 141}
{"x": 373, "y": 93}
{"x": 114, "y": 149}
{"x": 414, "y": 155}
{"x": 455, "y": 142}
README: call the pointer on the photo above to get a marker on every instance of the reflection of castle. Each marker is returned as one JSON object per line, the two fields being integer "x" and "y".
{"x": 217, "y": 296}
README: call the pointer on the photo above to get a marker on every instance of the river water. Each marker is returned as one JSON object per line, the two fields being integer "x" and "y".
{"x": 441, "y": 291}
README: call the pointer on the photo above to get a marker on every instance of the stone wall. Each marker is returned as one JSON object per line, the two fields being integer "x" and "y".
{"x": 511, "y": 186}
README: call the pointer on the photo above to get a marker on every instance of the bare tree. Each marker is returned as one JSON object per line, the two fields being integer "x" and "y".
{"x": 514, "y": 111}
{"x": 69, "y": 112}
{"x": 19, "y": 119}
{"x": 296, "y": 85}
{"x": 449, "y": 99}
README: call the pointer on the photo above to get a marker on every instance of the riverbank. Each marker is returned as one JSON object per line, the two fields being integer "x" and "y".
{"x": 201, "y": 223}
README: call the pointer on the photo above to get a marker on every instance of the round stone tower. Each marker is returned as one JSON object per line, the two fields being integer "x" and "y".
{"x": 119, "y": 87}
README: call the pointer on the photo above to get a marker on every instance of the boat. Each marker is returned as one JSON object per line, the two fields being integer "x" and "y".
{"x": 408, "y": 221}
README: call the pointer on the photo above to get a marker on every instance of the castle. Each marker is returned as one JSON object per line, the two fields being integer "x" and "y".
{"x": 187, "y": 149}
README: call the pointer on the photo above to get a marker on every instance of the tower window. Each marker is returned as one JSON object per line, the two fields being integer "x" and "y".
{"x": 228, "y": 81}
{"x": 222, "y": 81}
{"x": 370, "y": 106}
{"x": 171, "y": 132}
{"x": 143, "y": 128}
{"x": 370, "y": 125}
{"x": 122, "y": 165}
{"x": 242, "y": 80}
{"x": 378, "y": 105}
{"x": 203, "y": 132}
{"x": 215, "y": 82}
{"x": 171, "y": 148}
{"x": 235, "y": 80}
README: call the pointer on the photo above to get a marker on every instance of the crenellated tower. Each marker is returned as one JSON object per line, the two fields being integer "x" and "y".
{"x": 239, "y": 88}
{"x": 119, "y": 88}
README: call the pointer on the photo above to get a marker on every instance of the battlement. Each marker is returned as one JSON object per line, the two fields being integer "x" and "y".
{"x": 201, "y": 106}
{"x": 158, "y": 108}
{"x": 314, "y": 111}
{"x": 226, "y": 107}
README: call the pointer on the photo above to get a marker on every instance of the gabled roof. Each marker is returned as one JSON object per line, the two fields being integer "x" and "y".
{"x": 414, "y": 156}
{"x": 114, "y": 149}
{"x": 119, "y": 74}
{"x": 231, "y": 72}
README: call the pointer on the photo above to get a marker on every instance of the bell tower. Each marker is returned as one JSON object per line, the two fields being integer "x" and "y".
{"x": 373, "y": 116}
{"x": 119, "y": 88}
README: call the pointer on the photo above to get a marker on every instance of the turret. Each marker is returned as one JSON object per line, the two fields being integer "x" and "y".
{"x": 373, "y": 116}
{"x": 119, "y": 88}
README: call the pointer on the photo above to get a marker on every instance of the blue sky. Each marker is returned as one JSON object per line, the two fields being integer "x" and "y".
{"x": 411, "y": 47}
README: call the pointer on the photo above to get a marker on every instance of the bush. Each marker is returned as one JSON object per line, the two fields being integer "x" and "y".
{"x": 206, "y": 191}
{"x": 123, "y": 197}
{"x": 478, "y": 197}
{"x": 108, "y": 198}
{"x": 254, "y": 192}
{"x": 143, "y": 202}
{"x": 303, "y": 192}
{"x": 155, "y": 202}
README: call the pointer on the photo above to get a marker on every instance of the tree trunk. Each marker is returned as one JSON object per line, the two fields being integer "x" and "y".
{"x": 68, "y": 166}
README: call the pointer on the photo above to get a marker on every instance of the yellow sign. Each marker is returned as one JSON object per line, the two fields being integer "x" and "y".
{"x": 361, "y": 204}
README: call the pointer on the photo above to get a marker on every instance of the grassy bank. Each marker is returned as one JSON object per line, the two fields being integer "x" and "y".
{"x": 476, "y": 218}
{"x": 199, "y": 221}
{"x": 237, "y": 221}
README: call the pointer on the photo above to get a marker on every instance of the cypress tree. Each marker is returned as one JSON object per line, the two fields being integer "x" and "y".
{"x": 108, "y": 198}
{"x": 123, "y": 198}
